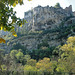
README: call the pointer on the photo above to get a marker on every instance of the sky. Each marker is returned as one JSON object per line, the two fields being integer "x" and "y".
{"x": 20, "y": 9}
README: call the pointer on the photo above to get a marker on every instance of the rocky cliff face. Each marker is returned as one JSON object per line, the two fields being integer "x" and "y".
{"x": 52, "y": 25}
{"x": 43, "y": 18}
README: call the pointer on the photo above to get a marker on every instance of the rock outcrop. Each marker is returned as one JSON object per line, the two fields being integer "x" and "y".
{"x": 43, "y": 18}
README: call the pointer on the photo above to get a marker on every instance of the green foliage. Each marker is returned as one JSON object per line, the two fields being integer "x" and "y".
{"x": 1, "y": 56}
{"x": 17, "y": 63}
{"x": 31, "y": 62}
{"x": 43, "y": 44}
{"x": 57, "y": 5}
{"x": 67, "y": 59}
{"x": 8, "y": 18}
{"x": 56, "y": 52}
{"x": 17, "y": 56}
{"x": 29, "y": 68}
{"x": 65, "y": 31}
{"x": 13, "y": 53}
{"x": 41, "y": 53}
{"x": 3, "y": 67}
{"x": 45, "y": 65}
{"x": 7, "y": 12}
{"x": 19, "y": 46}
{"x": 27, "y": 58}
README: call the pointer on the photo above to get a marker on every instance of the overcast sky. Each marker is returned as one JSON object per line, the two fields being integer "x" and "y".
{"x": 29, "y": 4}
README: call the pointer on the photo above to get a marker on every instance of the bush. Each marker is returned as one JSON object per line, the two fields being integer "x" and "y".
{"x": 19, "y": 46}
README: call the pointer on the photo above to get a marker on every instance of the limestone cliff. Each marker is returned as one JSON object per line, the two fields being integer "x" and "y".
{"x": 43, "y": 18}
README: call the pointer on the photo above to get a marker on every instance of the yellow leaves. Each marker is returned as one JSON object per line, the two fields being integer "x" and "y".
{"x": 38, "y": 65}
{"x": 14, "y": 4}
{"x": 64, "y": 47}
{"x": 21, "y": 25}
{"x": 14, "y": 33}
{"x": 2, "y": 40}
{"x": 67, "y": 56}
{"x": 71, "y": 39}
{"x": 44, "y": 64}
{"x": 70, "y": 45}
{"x": 1, "y": 27}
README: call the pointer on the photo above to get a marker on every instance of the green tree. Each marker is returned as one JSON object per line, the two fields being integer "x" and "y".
{"x": 31, "y": 62}
{"x": 18, "y": 46}
{"x": 13, "y": 54}
{"x": 30, "y": 68}
{"x": 19, "y": 56}
{"x": 57, "y": 5}
{"x": 27, "y": 57}
{"x": 44, "y": 65}
{"x": 66, "y": 63}
{"x": 41, "y": 53}
{"x": 6, "y": 12}
{"x": 1, "y": 57}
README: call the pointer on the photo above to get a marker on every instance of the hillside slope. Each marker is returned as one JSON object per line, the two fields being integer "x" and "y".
{"x": 52, "y": 30}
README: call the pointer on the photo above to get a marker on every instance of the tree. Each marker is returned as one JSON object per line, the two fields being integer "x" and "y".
{"x": 41, "y": 53}
{"x": 13, "y": 54}
{"x": 27, "y": 57}
{"x": 6, "y": 12}
{"x": 66, "y": 63}
{"x": 1, "y": 56}
{"x": 31, "y": 62}
{"x": 19, "y": 56}
{"x": 57, "y": 5}
{"x": 44, "y": 65}
{"x": 29, "y": 68}
{"x": 18, "y": 46}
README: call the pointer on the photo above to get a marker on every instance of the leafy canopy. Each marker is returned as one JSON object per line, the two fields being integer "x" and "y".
{"x": 67, "y": 59}
{"x": 57, "y": 5}
{"x": 8, "y": 18}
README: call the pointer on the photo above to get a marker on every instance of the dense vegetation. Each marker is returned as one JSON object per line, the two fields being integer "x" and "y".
{"x": 44, "y": 61}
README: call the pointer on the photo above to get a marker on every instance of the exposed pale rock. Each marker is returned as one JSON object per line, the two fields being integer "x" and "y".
{"x": 43, "y": 15}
